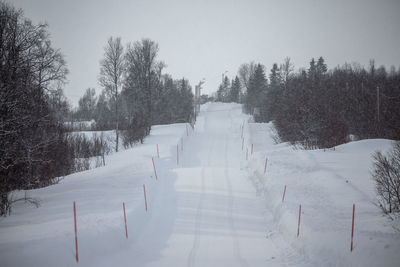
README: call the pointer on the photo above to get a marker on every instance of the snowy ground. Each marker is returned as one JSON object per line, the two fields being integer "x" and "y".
{"x": 214, "y": 208}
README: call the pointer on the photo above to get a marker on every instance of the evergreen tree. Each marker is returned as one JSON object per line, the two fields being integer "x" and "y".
{"x": 312, "y": 70}
{"x": 235, "y": 90}
{"x": 321, "y": 67}
{"x": 256, "y": 90}
{"x": 275, "y": 77}
{"x": 223, "y": 93}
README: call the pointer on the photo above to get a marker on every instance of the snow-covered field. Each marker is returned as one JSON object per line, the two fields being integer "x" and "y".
{"x": 214, "y": 208}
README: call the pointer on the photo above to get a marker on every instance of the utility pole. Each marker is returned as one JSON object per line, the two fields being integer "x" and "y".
{"x": 377, "y": 104}
{"x": 197, "y": 96}
{"x": 378, "y": 111}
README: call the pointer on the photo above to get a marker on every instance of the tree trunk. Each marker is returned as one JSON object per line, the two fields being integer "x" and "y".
{"x": 117, "y": 117}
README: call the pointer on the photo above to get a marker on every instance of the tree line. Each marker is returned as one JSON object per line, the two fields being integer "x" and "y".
{"x": 136, "y": 94}
{"x": 33, "y": 145}
{"x": 321, "y": 108}
{"x": 36, "y": 147}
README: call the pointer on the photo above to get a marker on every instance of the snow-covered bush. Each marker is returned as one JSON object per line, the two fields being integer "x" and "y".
{"x": 386, "y": 174}
{"x": 85, "y": 148}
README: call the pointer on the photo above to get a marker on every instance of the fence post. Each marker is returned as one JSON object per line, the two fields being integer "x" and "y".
{"x": 154, "y": 167}
{"x": 298, "y": 226}
{"x": 284, "y": 192}
{"x": 265, "y": 166}
{"x": 145, "y": 199}
{"x": 177, "y": 154}
{"x": 352, "y": 229}
{"x": 126, "y": 228}
{"x": 76, "y": 235}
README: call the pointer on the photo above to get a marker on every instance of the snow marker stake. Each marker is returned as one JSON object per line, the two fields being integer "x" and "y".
{"x": 158, "y": 152}
{"x": 145, "y": 199}
{"x": 242, "y": 143}
{"x": 298, "y": 226}
{"x": 154, "y": 167}
{"x": 265, "y": 167}
{"x": 181, "y": 143}
{"x": 126, "y": 228}
{"x": 252, "y": 148}
{"x": 284, "y": 192}
{"x": 352, "y": 229}
{"x": 247, "y": 153}
{"x": 76, "y": 235}
{"x": 177, "y": 154}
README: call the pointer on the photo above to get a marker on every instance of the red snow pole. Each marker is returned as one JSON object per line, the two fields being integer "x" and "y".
{"x": 145, "y": 199}
{"x": 126, "y": 228}
{"x": 158, "y": 152}
{"x": 298, "y": 226}
{"x": 242, "y": 143}
{"x": 265, "y": 166}
{"x": 181, "y": 143}
{"x": 177, "y": 154}
{"x": 352, "y": 229}
{"x": 247, "y": 153}
{"x": 252, "y": 148}
{"x": 76, "y": 235}
{"x": 154, "y": 167}
{"x": 284, "y": 192}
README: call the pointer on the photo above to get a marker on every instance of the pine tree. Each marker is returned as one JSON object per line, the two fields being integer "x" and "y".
{"x": 321, "y": 67}
{"x": 223, "y": 93}
{"x": 275, "y": 77}
{"x": 312, "y": 70}
{"x": 256, "y": 90}
{"x": 235, "y": 89}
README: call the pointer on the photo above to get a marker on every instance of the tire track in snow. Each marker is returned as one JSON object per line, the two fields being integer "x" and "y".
{"x": 196, "y": 241}
{"x": 193, "y": 252}
{"x": 236, "y": 248}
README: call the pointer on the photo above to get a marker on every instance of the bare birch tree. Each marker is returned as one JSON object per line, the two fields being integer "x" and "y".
{"x": 111, "y": 70}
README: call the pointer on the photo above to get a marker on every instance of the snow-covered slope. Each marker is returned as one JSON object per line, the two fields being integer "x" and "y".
{"x": 326, "y": 184}
{"x": 214, "y": 208}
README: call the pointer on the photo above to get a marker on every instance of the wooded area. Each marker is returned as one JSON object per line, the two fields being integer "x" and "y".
{"x": 36, "y": 146}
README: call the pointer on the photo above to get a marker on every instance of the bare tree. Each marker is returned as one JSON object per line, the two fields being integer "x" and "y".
{"x": 246, "y": 70}
{"x": 386, "y": 175}
{"x": 87, "y": 105}
{"x": 287, "y": 69}
{"x": 111, "y": 70}
{"x": 33, "y": 148}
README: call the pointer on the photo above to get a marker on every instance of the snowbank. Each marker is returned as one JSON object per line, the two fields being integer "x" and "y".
{"x": 326, "y": 184}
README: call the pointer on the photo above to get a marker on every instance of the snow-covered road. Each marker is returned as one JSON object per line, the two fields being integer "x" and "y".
{"x": 219, "y": 220}
{"x": 214, "y": 208}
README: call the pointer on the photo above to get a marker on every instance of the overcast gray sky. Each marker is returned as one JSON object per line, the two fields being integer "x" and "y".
{"x": 203, "y": 39}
